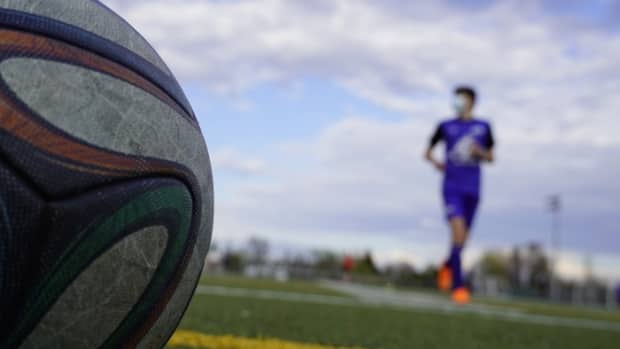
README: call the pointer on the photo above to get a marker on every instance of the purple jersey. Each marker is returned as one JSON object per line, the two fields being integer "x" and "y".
{"x": 462, "y": 173}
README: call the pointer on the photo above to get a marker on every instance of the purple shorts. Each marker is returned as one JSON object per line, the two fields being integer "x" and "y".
{"x": 461, "y": 205}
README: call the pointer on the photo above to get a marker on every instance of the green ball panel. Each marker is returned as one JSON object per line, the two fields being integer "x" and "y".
{"x": 96, "y": 303}
{"x": 88, "y": 264}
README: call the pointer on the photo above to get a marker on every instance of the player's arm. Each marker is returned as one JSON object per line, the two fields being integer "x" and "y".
{"x": 485, "y": 152}
{"x": 428, "y": 155}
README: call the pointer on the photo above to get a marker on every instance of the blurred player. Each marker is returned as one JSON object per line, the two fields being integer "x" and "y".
{"x": 469, "y": 142}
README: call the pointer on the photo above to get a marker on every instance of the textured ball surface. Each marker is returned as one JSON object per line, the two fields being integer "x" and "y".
{"x": 106, "y": 198}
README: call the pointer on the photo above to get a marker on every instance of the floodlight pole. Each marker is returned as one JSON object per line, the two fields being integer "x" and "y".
{"x": 555, "y": 205}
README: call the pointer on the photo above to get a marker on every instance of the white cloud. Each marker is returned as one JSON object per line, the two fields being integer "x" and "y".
{"x": 550, "y": 90}
{"x": 231, "y": 161}
{"x": 369, "y": 180}
{"x": 533, "y": 74}
{"x": 377, "y": 52}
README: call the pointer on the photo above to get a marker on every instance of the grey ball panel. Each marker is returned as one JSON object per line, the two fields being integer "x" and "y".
{"x": 173, "y": 311}
{"x": 114, "y": 115}
{"x": 99, "y": 299}
{"x": 93, "y": 17}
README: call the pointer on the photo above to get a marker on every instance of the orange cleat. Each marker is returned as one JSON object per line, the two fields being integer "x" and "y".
{"x": 461, "y": 296}
{"x": 444, "y": 279}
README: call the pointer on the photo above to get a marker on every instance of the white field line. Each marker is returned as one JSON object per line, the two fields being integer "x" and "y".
{"x": 428, "y": 307}
{"x": 275, "y": 295}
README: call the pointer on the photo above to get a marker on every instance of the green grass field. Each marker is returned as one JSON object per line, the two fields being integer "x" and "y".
{"x": 358, "y": 325}
{"x": 556, "y": 310}
{"x": 267, "y": 285}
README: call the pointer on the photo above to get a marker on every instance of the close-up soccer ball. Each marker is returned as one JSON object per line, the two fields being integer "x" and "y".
{"x": 106, "y": 199}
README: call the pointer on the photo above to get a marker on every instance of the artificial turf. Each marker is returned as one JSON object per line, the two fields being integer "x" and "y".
{"x": 370, "y": 326}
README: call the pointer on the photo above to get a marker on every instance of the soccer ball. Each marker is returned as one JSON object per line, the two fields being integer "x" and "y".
{"x": 106, "y": 199}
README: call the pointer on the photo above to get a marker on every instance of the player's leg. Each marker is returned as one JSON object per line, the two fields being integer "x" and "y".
{"x": 470, "y": 207}
{"x": 460, "y": 293}
{"x": 450, "y": 271}
{"x": 460, "y": 228}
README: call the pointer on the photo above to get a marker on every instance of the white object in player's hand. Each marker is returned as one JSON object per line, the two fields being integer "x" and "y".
{"x": 463, "y": 153}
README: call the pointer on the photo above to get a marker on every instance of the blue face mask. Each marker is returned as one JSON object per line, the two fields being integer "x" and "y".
{"x": 459, "y": 104}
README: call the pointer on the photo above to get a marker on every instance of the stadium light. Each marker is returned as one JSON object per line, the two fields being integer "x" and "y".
{"x": 555, "y": 206}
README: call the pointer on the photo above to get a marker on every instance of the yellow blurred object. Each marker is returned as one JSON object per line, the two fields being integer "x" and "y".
{"x": 190, "y": 339}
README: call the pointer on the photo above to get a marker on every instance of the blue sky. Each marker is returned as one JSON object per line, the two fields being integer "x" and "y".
{"x": 316, "y": 115}
{"x": 272, "y": 113}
